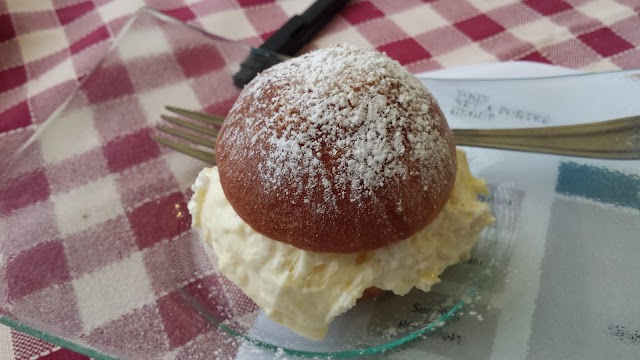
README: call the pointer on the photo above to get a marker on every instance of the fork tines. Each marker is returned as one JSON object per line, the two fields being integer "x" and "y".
{"x": 197, "y": 133}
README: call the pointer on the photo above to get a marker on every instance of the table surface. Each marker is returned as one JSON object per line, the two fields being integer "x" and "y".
{"x": 47, "y": 46}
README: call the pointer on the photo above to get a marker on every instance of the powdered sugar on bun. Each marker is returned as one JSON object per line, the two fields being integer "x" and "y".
{"x": 339, "y": 150}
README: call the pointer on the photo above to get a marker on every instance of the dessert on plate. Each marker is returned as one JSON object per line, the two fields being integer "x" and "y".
{"x": 336, "y": 174}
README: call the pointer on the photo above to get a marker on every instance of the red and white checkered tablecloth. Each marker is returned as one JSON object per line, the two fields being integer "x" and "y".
{"x": 48, "y": 46}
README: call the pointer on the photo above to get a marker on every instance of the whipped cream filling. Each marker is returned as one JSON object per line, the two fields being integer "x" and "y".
{"x": 304, "y": 290}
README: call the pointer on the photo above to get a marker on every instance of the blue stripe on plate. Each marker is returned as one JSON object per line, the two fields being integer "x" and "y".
{"x": 599, "y": 184}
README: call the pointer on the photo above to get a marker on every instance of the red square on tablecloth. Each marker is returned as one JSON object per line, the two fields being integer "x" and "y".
{"x": 109, "y": 82}
{"x": 70, "y": 13}
{"x": 199, "y": 60}
{"x": 63, "y": 354}
{"x": 479, "y": 27}
{"x": 37, "y": 268}
{"x": 536, "y": 57}
{"x": 15, "y": 117}
{"x": 93, "y": 37}
{"x": 181, "y": 323}
{"x": 405, "y": 51}
{"x": 267, "y": 35}
{"x": 129, "y": 150}
{"x": 246, "y": 3}
{"x": 25, "y": 190}
{"x": 360, "y": 12}
{"x": 12, "y": 77}
{"x": 160, "y": 219}
{"x": 605, "y": 42}
{"x": 184, "y": 13}
{"x": 7, "y": 31}
{"x": 548, "y": 7}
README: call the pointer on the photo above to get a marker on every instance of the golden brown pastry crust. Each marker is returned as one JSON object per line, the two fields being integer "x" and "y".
{"x": 340, "y": 150}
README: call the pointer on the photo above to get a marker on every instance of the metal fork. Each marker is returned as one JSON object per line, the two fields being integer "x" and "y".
{"x": 617, "y": 139}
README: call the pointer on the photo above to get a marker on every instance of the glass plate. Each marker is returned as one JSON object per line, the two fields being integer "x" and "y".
{"x": 98, "y": 255}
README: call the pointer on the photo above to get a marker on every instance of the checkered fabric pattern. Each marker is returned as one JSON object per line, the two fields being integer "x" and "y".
{"x": 47, "y": 47}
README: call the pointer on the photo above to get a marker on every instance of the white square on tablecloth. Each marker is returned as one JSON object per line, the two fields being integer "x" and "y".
{"x": 113, "y": 291}
{"x": 15, "y": 6}
{"x": 295, "y": 7}
{"x": 179, "y": 95}
{"x": 232, "y": 25}
{"x": 486, "y": 6}
{"x": 70, "y": 134}
{"x": 87, "y": 205}
{"x": 462, "y": 55}
{"x": 6, "y": 343}
{"x": 38, "y": 44}
{"x": 145, "y": 42}
{"x": 542, "y": 32}
{"x": 418, "y": 20}
{"x": 190, "y": 2}
{"x": 119, "y": 8}
{"x": 602, "y": 65}
{"x": 608, "y": 13}
{"x": 184, "y": 168}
